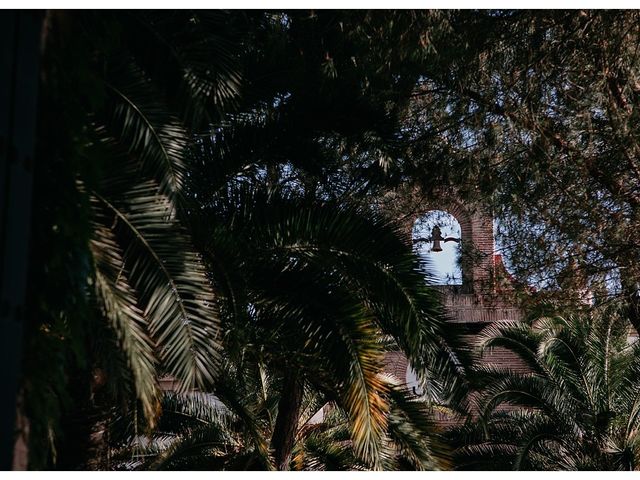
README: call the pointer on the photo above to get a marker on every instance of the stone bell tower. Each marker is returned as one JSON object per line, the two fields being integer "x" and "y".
{"x": 483, "y": 298}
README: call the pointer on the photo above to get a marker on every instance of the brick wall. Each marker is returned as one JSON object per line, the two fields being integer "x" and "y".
{"x": 478, "y": 307}
{"x": 483, "y": 299}
{"x": 476, "y": 225}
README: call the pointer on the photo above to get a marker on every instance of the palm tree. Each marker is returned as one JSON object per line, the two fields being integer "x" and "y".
{"x": 197, "y": 431}
{"x": 133, "y": 90}
{"x": 578, "y": 407}
{"x": 312, "y": 295}
{"x": 122, "y": 96}
{"x": 318, "y": 292}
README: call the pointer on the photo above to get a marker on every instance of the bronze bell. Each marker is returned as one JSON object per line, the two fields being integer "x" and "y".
{"x": 436, "y": 237}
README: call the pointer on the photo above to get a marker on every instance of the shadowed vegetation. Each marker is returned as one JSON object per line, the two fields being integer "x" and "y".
{"x": 212, "y": 207}
{"x": 577, "y": 409}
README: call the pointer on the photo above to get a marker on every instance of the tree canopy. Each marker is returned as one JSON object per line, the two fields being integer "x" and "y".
{"x": 535, "y": 113}
{"x": 209, "y": 189}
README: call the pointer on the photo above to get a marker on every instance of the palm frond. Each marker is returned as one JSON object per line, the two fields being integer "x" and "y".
{"x": 237, "y": 393}
{"x": 327, "y": 283}
{"x": 516, "y": 337}
{"x": 414, "y": 435}
{"x": 151, "y": 134}
{"x": 574, "y": 411}
{"x": 193, "y": 56}
{"x": 172, "y": 282}
{"x": 119, "y": 305}
{"x": 326, "y": 449}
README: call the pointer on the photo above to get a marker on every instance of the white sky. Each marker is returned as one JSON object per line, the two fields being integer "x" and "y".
{"x": 444, "y": 265}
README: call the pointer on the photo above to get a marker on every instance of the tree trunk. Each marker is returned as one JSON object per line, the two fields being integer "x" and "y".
{"x": 284, "y": 432}
{"x": 21, "y": 445}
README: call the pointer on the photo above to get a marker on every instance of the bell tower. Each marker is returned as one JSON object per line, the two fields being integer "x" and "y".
{"x": 482, "y": 297}
{"x": 474, "y": 240}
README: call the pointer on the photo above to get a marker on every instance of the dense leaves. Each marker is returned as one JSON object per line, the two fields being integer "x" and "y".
{"x": 577, "y": 409}
{"x": 535, "y": 114}
{"x": 119, "y": 149}
{"x": 216, "y": 180}
{"x": 323, "y": 291}
{"x": 317, "y": 284}
{"x": 200, "y": 432}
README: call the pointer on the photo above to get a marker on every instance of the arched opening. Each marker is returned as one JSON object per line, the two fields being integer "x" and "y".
{"x": 442, "y": 253}
{"x": 412, "y": 382}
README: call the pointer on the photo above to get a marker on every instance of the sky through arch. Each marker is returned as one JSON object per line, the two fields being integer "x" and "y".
{"x": 444, "y": 266}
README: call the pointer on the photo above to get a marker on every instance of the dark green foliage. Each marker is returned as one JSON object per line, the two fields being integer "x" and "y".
{"x": 110, "y": 249}
{"x": 577, "y": 409}
{"x": 198, "y": 432}
{"x": 316, "y": 288}
{"x": 322, "y": 102}
{"x": 211, "y": 179}
{"x": 307, "y": 103}
{"x": 535, "y": 113}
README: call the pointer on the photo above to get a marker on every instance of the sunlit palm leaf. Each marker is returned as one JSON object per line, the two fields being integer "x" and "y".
{"x": 328, "y": 283}
{"x": 173, "y": 286}
{"x": 151, "y": 134}
{"x": 120, "y": 306}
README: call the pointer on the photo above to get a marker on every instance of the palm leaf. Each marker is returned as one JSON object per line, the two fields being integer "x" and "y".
{"x": 412, "y": 432}
{"x": 139, "y": 121}
{"x": 173, "y": 285}
{"x": 193, "y": 56}
{"x": 119, "y": 305}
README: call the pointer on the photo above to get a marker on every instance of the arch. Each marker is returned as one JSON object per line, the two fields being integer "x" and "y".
{"x": 412, "y": 382}
{"x": 476, "y": 226}
{"x": 444, "y": 266}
